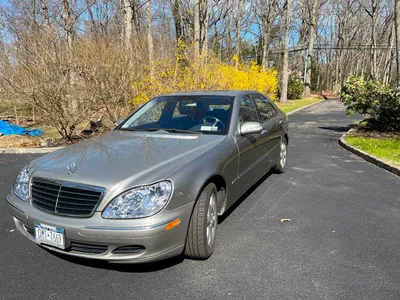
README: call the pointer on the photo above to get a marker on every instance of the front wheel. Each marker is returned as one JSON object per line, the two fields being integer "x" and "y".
{"x": 281, "y": 163}
{"x": 200, "y": 241}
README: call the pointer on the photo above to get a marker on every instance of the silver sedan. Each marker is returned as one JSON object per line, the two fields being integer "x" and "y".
{"x": 155, "y": 186}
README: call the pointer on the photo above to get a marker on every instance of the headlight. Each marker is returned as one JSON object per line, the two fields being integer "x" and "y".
{"x": 139, "y": 202}
{"x": 21, "y": 186}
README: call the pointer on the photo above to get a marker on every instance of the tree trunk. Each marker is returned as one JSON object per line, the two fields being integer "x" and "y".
{"x": 228, "y": 50}
{"x": 204, "y": 29}
{"x": 68, "y": 25}
{"x": 196, "y": 37}
{"x": 374, "y": 66}
{"x": 265, "y": 54}
{"x": 128, "y": 19}
{"x": 389, "y": 56}
{"x": 268, "y": 17}
{"x": 397, "y": 20}
{"x": 238, "y": 32}
{"x": 177, "y": 20}
{"x": 149, "y": 20}
{"x": 285, "y": 65}
{"x": 313, "y": 23}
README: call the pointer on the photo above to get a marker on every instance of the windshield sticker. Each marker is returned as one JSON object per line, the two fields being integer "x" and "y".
{"x": 209, "y": 128}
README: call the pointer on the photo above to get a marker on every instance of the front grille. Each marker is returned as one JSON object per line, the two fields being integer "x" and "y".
{"x": 65, "y": 198}
{"x": 128, "y": 250}
{"x": 87, "y": 248}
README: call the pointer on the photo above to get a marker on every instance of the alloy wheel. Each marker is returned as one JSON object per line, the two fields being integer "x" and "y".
{"x": 283, "y": 154}
{"x": 212, "y": 219}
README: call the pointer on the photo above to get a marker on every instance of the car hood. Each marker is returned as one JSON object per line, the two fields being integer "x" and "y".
{"x": 119, "y": 160}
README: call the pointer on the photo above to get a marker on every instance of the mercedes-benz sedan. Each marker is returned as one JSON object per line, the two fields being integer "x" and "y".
{"x": 154, "y": 186}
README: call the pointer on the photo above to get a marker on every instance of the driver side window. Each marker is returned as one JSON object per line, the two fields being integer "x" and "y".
{"x": 247, "y": 110}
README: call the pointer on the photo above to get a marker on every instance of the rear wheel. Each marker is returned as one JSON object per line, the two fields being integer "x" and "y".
{"x": 200, "y": 241}
{"x": 282, "y": 160}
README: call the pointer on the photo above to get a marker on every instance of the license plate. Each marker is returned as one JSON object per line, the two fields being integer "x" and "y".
{"x": 49, "y": 235}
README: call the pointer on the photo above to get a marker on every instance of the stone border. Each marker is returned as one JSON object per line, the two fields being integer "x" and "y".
{"x": 368, "y": 157}
{"x": 304, "y": 107}
{"x": 48, "y": 150}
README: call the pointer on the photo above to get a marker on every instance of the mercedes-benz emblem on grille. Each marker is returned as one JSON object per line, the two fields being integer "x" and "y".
{"x": 72, "y": 168}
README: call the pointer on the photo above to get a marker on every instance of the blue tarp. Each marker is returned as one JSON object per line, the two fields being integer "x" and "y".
{"x": 6, "y": 129}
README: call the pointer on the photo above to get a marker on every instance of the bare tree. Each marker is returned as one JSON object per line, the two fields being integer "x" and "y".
{"x": 205, "y": 13}
{"x": 312, "y": 11}
{"x": 128, "y": 20}
{"x": 269, "y": 11}
{"x": 397, "y": 14}
{"x": 238, "y": 31}
{"x": 285, "y": 64}
{"x": 196, "y": 38}
{"x": 149, "y": 19}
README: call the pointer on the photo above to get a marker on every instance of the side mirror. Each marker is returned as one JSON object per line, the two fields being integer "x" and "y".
{"x": 119, "y": 121}
{"x": 251, "y": 128}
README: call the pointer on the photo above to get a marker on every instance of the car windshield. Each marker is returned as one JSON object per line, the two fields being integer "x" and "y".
{"x": 183, "y": 114}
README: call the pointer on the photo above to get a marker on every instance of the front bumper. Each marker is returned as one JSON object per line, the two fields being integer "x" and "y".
{"x": 148, "y": 238}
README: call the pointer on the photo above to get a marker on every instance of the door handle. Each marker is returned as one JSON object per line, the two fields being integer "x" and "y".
{"x": 264, "y": 132}
{"x": 280, "y": 122}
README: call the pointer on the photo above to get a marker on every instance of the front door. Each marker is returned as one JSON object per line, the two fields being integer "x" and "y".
{"x": 251, "y": 149}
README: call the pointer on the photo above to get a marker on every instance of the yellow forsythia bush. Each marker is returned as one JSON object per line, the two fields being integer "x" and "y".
{"x": 179, "y": 75}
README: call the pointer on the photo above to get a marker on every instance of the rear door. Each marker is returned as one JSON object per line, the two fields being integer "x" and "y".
{"x": 270, "y": 120}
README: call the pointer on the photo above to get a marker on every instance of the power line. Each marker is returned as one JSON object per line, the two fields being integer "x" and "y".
{"x": 330, "y": 47}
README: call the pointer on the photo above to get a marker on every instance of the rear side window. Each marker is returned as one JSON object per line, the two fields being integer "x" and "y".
{"x": 265, "y": 108}
{"x": 247, "y": 110}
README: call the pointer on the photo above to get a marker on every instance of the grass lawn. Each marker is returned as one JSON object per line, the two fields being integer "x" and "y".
{"x": 387, "y": 149}
{"x": 296, "y": 104}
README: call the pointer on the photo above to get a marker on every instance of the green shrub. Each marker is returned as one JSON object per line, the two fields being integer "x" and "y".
{"x": 370, "y": 97}
{"x": 295, "y": 88}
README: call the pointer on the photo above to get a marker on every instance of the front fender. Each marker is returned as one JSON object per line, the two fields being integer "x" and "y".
{"x": 221, "y": 160}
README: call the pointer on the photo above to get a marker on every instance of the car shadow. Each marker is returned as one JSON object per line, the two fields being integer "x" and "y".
{"x": 336, "y": 128}
{"x": 222, "y": 218}
{"x": 122, "y": 267}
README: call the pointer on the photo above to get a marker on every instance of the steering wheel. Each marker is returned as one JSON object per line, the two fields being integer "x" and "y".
{"x": 214, "y": 119}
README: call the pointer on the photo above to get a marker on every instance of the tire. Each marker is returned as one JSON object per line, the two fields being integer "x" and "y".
{"x": 200, "y": 241}
{"x": 282, "y": 159}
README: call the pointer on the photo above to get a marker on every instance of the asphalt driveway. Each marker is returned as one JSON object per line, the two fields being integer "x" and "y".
{"x": 343, "y": 240}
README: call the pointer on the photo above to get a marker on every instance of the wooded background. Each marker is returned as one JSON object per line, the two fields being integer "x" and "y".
{"x": 69, "y": 59}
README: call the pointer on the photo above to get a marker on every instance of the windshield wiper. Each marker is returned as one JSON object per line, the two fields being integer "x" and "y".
{"x": 174, "y": 130}
{"x": 140, "y": 129}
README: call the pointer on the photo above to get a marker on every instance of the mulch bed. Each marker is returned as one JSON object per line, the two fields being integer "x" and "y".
{"x": 366, "y": 132}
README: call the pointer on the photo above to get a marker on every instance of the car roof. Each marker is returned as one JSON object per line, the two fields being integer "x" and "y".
{"x": 229, "y": 93}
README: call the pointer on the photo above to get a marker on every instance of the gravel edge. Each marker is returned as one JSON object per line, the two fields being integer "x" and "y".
{"x": 28, "y": 150}
{"x": 48, "y": 150}
{"x": 368, "y": 157}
